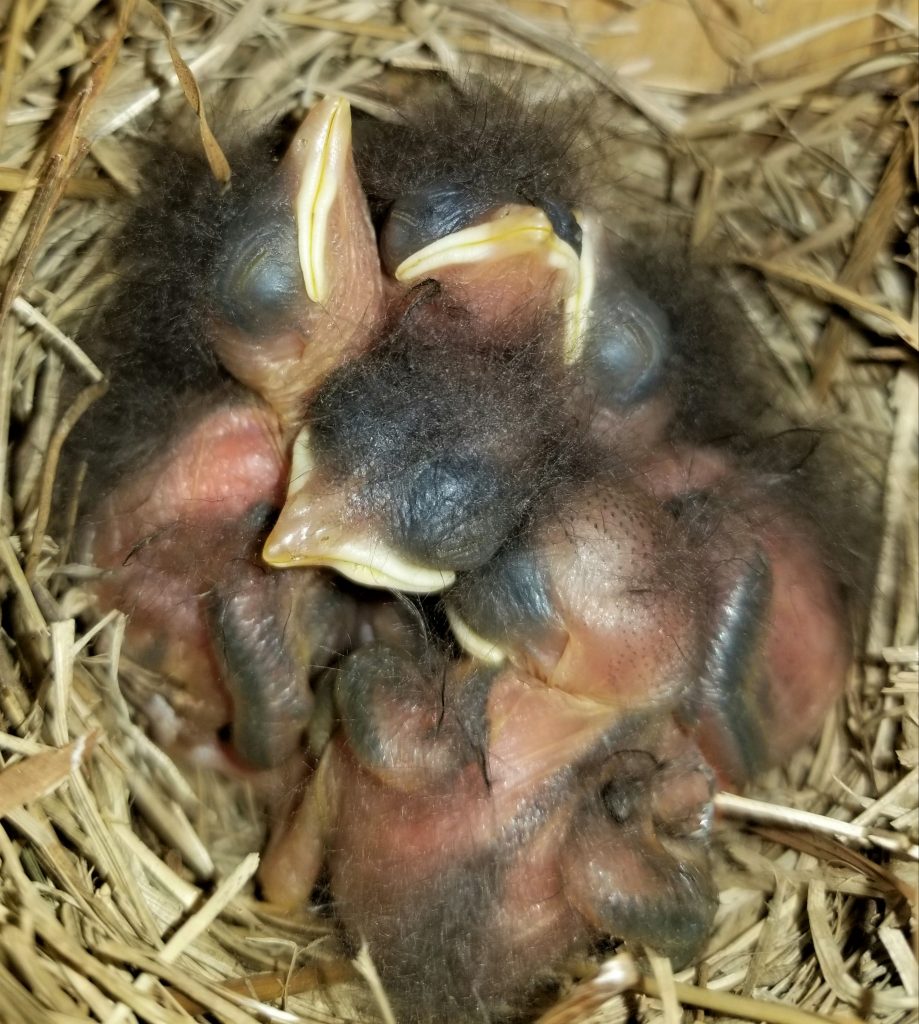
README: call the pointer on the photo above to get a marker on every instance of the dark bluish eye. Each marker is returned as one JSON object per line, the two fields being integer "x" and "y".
{"x": 506, "y": 596}
{"x": 450, "y": 510}
{"x": 258, "y": 284}
{"x": 628, "y": 348}
{"x": 453, "y": 512}
{"x": 372, "y": 681}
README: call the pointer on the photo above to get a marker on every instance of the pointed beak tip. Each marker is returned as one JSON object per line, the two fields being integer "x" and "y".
{"x": 375, "y": 566}
{"x": 331, "y": 112}
{"x": 486, "y": 651}
{"x": 275, "y": 554}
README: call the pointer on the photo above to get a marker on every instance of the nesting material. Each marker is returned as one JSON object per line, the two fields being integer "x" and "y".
{"x": 126, "y": 885}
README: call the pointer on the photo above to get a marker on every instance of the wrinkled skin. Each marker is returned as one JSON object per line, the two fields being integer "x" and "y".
{"x": 512, "y": 823}
{"x": 179, "y": 544}
{"x": 597, "y": 601}
{"x": 477, "y": 401}
{"x": 292, "y": 290}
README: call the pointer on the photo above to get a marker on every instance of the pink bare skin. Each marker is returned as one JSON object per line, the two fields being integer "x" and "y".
{"x": 800, "y": 647}
{"x": 479, "y": 836}
{"x": 322, "y": 331}
{"x": 619, "y": 623}
{"x": 790, "y": 659}
{"x": 179, "y": 543}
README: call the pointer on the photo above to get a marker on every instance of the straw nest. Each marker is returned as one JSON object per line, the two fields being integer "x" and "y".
{"x": 125, "y": 886}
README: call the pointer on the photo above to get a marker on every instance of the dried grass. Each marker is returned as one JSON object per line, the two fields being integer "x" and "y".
{"x": 124, "y": 886}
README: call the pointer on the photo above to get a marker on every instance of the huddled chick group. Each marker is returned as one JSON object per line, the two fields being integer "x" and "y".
{"x": 470, "y": 518}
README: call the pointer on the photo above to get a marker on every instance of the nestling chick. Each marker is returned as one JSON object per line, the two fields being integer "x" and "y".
{"x": 232, "y": 307}
{"x": 269, "y": 283}
{"x": 423, "y": 457}
{"x": 482, "y": 827}
{"x": 432, "y": 368}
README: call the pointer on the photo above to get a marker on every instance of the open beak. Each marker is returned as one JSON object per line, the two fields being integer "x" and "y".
{"x": 317, "y": 528}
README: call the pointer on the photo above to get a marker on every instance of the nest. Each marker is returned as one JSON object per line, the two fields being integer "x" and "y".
{"x": 125, "y": 885}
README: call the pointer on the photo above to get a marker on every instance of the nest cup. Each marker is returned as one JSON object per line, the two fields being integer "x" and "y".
{"x": 783, "y": 139}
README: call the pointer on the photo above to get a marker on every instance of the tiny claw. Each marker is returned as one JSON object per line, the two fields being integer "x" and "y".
{"x": 271, "y": 631}
{"x": 293, "y": 857}
{"x": 268, "y": 682}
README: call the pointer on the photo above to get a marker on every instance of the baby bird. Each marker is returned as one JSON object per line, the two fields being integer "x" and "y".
{"x": 429, "y": 366}
{"x": 180, "y": 545}
{"x": 421, "y": 458}
{"x": 718, "y": 610}
{"x": 232, "y": 307}
{"x": 476, "y": 190}
{"x": 482, "y": 827}
{"x": 599, "y": 598}
{"x": 297, "y": 284}
{"x": 771, "y": 503}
